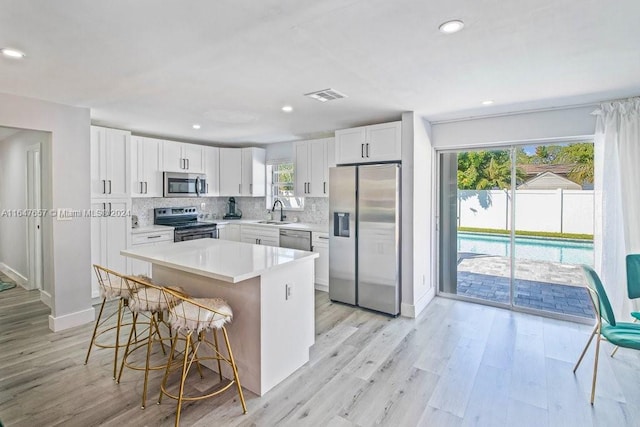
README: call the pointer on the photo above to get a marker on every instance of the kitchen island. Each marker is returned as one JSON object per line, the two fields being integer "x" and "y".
{"x": 269, "y": 289}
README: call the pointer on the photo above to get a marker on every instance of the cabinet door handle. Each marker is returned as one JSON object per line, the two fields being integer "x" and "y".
{"x": 207, "y": 188}
{"x": 153, "y": 237}
{"x": 104, "y": 186}
{"x": 308, "y": 188}
{"x": 146, "y": 187}
{"x": 250, "y": 188}
{"x": 361, "y": 150}
{"x": 109, "y": 186}
{"x": 239, "y": 188}
{"x": 141, "y": 187}
{"x": 323, "y": 238}
{"x": 367, "y": 149}
{"x": 324, "y": 187}
{"x": 187, "y": 163}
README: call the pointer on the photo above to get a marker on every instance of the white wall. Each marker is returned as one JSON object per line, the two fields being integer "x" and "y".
{"x": 13, "y": 185}
{"x": 279, "y": 151}
{"x": 66, "y": 244}
{"x": 541, "y": 126}
{"x": 418, "y": 238}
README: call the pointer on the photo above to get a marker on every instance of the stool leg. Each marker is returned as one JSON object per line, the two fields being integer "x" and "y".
{"x": 152, "y": 325}
{"x": 235, "y": 370}
{"x": 193, "y": 348}
{"x": 95, "y": 329}
{"x": 163, "y": 386}
{"x": 183, "y": 378}
{"x": 218, "y": 355}
{"x": 134, "y": 323}
{"x": 115, "y": 359}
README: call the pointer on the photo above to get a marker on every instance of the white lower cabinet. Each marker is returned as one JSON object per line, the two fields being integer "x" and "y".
{"x": 110, "y": 233}
{"x": 320, "y": 243}
{"x": 257, "y": 235}
{"x": 229, "y": 232}
{"x": 148, "y": 238}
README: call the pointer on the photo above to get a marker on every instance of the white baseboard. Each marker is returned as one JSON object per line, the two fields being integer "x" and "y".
{"x": 71, "y": 320}
{"x": 14, "y": 275}
{"x": 46, "y": 298}
{"x": 323, "y": 288}
{"x": 413, "y": 310}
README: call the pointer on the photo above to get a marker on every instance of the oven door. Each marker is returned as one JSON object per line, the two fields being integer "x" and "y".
{"x": 184, "y": 184}
{"x": 183, "y": 235}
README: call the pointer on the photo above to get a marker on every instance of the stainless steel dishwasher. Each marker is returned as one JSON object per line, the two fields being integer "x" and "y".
{"x": 295, "y": 239}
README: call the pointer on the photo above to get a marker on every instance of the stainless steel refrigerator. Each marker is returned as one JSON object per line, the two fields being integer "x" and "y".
{"x": 364, "y": 238}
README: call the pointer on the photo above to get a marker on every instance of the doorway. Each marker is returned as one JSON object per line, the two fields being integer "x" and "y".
{"x": 515, "y": 224}
{"x": 34, "y": 219}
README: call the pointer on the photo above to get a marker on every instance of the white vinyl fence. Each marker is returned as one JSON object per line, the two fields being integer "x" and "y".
{"x": 560, "y": 211}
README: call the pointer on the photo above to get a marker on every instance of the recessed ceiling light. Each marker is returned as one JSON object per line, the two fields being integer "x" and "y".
{"x": 451, "y": 27}
{"x": 196, "y": 126}
{"x": 487, "y": 102}
{"x": 287, "y": 108}
{"x": 12, "y": 53}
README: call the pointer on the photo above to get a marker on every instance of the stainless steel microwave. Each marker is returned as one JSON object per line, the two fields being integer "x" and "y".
{"x": 184, "y": 184}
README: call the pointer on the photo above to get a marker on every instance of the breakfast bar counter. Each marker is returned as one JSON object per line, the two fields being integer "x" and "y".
{"x": 271, "y": 293}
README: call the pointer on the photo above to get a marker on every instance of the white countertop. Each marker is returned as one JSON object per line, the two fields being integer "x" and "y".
{"x": 219, "y": 259}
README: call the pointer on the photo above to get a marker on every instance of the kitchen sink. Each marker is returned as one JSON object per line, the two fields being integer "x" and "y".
{"x": 274, "y": 222}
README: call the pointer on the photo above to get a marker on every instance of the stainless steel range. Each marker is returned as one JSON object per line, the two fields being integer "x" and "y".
{"x": 185, "y": 222}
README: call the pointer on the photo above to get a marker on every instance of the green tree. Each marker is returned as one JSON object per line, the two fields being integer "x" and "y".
{"x": 580, "y": 155}
{"x": 485, "y": 170}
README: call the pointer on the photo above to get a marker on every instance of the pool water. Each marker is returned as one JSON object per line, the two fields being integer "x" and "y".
{"x": 531, "y": 248}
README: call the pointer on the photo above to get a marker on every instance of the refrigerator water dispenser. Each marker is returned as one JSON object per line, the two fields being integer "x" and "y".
{"x": 341, "y": 224}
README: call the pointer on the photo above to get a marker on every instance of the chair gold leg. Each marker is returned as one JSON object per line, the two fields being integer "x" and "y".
{"x": 193, "y": 348}
{"x": 183, "y": 377}
{"x": 152, "y": 324}
{"x": 115, "y": 359}
{"x": 595, "y": 369}
{"x": 235, "y": 370}
{"x": 218, "y": 355}
{"x": 163, "y": 386}
{"x": 585, "y": 348}
{"x": 157, "y": 323}
{"x": 134, "y": 323}
{"x": 95, "y": 330}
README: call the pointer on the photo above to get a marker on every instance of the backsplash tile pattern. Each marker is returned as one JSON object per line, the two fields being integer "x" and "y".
{"x": 215, "y": 208}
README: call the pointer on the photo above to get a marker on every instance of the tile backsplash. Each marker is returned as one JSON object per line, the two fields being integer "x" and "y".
{"x": 316, "y": 208}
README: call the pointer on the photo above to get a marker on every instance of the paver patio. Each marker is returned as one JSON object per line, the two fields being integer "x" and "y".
{"x": 549, "y": 286}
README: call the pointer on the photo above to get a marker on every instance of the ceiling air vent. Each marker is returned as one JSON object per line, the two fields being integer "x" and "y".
{"x": 326, "y": 95}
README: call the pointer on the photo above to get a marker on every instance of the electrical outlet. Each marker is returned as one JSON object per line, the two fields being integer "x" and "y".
{"x": 287, "y": 291}
{"x": 203, "y": 205}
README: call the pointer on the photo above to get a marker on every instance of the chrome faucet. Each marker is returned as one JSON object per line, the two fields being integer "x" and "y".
{"x": 273, "y": 208}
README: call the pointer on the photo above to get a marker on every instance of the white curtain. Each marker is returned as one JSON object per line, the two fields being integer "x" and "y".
{"x": 617, "y": 193}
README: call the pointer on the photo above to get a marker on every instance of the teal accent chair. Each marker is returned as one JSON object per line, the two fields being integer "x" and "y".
{"x": 621, "y": 334}
{"x": 633, "y": 285}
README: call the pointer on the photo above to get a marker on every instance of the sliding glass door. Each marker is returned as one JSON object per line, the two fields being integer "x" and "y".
{"x": 514, "y": 225}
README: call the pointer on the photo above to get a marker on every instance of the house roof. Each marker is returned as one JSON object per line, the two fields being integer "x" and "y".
{"x": 533, "y": 170}
{"x": 549, "y": 181}
{"x": 158, "y": 66}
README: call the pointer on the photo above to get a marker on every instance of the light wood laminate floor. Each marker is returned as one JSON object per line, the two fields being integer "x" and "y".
{"x": 458, "y": 364}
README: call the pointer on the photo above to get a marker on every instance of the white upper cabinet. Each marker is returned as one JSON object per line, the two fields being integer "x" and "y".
{"x": 212, "y": 170}
{"x": 242, "y": 172}
{"x": 376, "y": 143}
{"x": 182, "y": 157}
{"x": 146, "y": 167}
{"x": 110, "y": 163}
{"x": 253, "y": 172}
{"x": 230, "y": 171}
{"x": 312, "y": 167}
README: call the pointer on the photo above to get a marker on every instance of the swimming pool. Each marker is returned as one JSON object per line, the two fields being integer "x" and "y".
{"x": 532, "y": 248}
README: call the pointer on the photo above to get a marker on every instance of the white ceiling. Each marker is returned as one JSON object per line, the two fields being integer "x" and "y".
{"x": 158, "y": 66}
